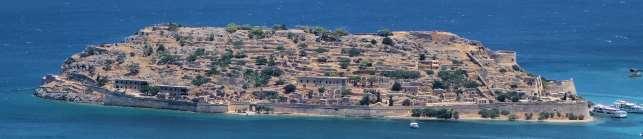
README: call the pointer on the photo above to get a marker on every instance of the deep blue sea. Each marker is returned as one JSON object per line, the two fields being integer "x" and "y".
{"x": 594, "y": 42}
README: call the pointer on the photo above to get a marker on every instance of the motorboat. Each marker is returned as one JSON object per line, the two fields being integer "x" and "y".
{"x": 608, "y": 111}
{"x": 628, "y": 106}
{"x": 414, "y": 125}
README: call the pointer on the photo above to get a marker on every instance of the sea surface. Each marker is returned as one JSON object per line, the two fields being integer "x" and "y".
{"x": 594, "y": 42}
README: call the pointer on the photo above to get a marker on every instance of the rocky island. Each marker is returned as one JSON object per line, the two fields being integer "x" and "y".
{"x": 312, "y": 71}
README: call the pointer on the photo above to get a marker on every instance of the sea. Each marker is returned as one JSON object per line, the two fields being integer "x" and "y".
{"x": 593, "y": 42}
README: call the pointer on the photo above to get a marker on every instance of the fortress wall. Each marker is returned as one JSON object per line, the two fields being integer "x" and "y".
{"x": 578, "y": 108}
{"x": 121, "y": 100}
{"x": 211, "y": 108}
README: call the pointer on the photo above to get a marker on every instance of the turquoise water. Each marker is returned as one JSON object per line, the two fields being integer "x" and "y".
{"x": 594, "y": 42}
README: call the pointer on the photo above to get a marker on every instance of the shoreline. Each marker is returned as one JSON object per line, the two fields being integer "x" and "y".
{"x": 463, "y": 117}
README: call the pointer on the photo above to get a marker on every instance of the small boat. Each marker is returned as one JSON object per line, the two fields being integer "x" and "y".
{"x": 607, "y": 111}
{"x": 635, "y": 72}
{"x": 628, "y": 106}
{"x": 414, "y": 125}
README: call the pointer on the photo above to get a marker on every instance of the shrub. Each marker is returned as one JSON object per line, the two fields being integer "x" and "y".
{"x": 257, "y": 33}
{"x": 133, "y": 68}
{"x": 289, "y": 88}
{"x": 442, "y": 113}
{"x": 505, "y": 112}
{"x": 512, "y": 117}
{"x": 101, "y": 80}
{"x": 150, "y": 90}
{"x": 489, "y": 113}
{"x": 271, "y": 71}
{"x": 384, "y": 32}
{"x": 344, "y": 63}
{"x": 430, "y": 72}
{"x": 200, "y": 80}
{"x": 529, "y": 116}
{"x": 353, "y": 52}
{"x": 232, "y": 27}
{"x": 279, "y": 27}
{"x": 321, "y": 50}
{"x": 512, "y": 96}
{"x": 280, "y": 48}
{"x": 261, "y": 61}
{"x": 166, "y": 58}
{"x": 266, "y": 94}
{"x": 388, "y": 41}
{"x": 402, "y": 74}
{"x": 198, "y": 53}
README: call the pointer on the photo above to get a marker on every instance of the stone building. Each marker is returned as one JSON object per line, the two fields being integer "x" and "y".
{"x": 174, "y": 90}
{"x": 559, "y": 88}
{"x": 129, "y": 84}
{"x": 319, "y": 81}
{"x": 505, "y": 58}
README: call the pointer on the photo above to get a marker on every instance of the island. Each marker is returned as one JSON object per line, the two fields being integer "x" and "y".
{"x": 308, "y": 70}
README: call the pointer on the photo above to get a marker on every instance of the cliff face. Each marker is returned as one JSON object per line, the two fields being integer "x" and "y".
{"x": 308, "y": 65}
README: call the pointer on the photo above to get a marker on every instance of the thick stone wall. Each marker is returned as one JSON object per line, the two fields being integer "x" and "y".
{"x": 122, "y": 100}
{"x": 578, "y": 108}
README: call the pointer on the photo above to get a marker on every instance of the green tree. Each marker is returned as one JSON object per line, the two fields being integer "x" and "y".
{"x": 344, "y": 63}
{"x": 289, "y": 88}
{"x": 200, "y": 80}
{"x": 150, "y": 90}
{"x": 279, "y": 27}
{"x": 257, "y": 33}
{"x": 388, "y": 41}
{"x": 353, "y": 52}
{"x": 232, "y": 27}
{"x": 384, "y": 32}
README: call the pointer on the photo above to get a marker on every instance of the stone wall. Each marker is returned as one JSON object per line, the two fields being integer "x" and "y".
{"x": 577, "y": 108}
{"x": 115, "y": 99}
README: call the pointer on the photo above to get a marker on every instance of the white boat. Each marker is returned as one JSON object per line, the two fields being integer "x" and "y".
{"x": 414, "y": 125}
{"x": 607, "y": 111}
{"x": 628, "y": 106}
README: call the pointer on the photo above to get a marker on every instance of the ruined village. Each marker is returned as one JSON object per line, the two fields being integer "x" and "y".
{"x": 293, "y": 70}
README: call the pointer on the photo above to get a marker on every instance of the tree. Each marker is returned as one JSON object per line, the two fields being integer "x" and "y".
{"x": 390, "y": 100}
{"x": 384, "y": 32}
{"x": 101, "y": 80}
{"x": 196, "y": 54}
{"x": 321, "y": 90}
{"x": 166, "y": 58}
{"x": 353, "y": 52}
{"x": 261, "y": 61}
{"x": 388, "y": 41}
{"x": 340, "y": 32}
{"x": 150, "y": 90}
{"x": 364, "y": 100}
{"x": 200, "y": 80}
{"x": 489, "y": 113}
{"x": 271, "y": 71}
{"x": 396, "y": 86}
{"x": 257, "y": 33}
{"x": 289, "y": 88}
{"x": 133, "y": 68}
{"x": 147, "y": 50}
{"x": 232, "y": 27}
{"x": 402, "y": 74}
{"x": 321, "y": 50}
{"x": 344, "y": 63}
{"x": 505, "y": 112}
{"x": 279, "y": 27}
